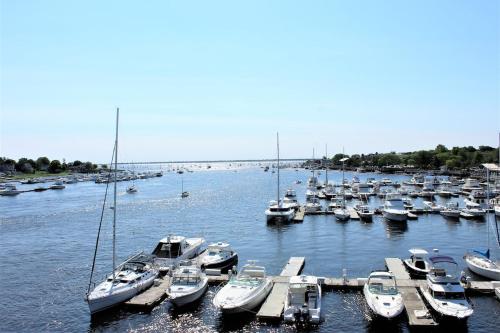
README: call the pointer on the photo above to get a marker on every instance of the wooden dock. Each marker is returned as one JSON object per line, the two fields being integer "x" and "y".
{"x": 396, "y": 266}
{"x": 299, "y": 215}
{"x": 151, "y": 296}
{"x": 354, "y": 215}
{"x": 275, "y": 302}
{"x": 416, "y": 310}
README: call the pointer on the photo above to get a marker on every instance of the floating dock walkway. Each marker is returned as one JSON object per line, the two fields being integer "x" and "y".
{"x": 418, "y": 314}
{"x": 275, "y": 302}
{"x": 151, "y": 296}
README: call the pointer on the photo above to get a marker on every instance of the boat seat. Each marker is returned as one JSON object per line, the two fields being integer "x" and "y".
{"x": 312, "y": 301}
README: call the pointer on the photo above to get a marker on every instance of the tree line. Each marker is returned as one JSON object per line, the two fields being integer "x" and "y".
{"x": 26, "y": 165}
{"x": 454, "y": 158}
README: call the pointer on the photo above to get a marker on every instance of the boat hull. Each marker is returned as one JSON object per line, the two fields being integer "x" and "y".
{"x": 100, "y": 304}
{"x": 250, "y": 304}
{"x": 224, "y": 266}
{"x": 186, "y": 299}
{"x": 493, "y": 274}
{"x": 441, "y": 311}
{"x": 395, "y": 216}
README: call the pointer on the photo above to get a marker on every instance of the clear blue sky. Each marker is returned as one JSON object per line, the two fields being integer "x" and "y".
{"x": 217, "y": 79}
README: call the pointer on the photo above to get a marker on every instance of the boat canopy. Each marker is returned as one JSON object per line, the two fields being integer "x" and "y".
{"x": 438, "y": 259}
{"x": 418, "y": 252}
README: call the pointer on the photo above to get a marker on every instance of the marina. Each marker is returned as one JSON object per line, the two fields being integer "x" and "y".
{"x": 333, "y": 282}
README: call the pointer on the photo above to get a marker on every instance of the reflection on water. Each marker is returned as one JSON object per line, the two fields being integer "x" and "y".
{"x": 395, "y": 229}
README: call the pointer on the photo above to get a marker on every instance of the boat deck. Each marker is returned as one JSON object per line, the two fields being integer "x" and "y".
{"x": 275, "y": 301}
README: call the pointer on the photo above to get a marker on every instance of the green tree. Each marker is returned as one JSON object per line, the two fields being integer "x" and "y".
{"x": 42, "y": 163}
{"x": 54, "y": 166}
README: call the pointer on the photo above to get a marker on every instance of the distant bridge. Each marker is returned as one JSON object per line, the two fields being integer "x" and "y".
{"x": 223, "y": 161}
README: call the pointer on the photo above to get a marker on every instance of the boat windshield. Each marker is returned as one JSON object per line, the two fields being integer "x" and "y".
{"x": 167, "y": 250}
{"x": 186, "y": 279}
{"x": 383, "y": 285}
{"x": 449, "y": 295}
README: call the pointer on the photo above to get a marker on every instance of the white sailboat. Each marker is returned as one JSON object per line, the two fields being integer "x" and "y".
{"x": 478, "y": 261}
{"x": 342, "y": 214}
{"x": 129, "y": 278}
{"x": 277, "y": 210}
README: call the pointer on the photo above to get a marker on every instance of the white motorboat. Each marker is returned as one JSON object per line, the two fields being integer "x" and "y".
{"x": 480, "y": 263}
{"x": 279, "y": 212}
{"x": 451, "y": 210}
{"x": 472, "y": 210}
{"x": 335, "y": 203}
{"x": 477, "y": 199}
{"x": 444, "y": 191}
{"x": 443, "y": 291}
{"x": 417, "y": 264}
{"x": 58, "y": 185}
{"x": 311, "y": 193}
{"x": 329, "y": 191}
{"x": 342, "y": 214}
{"x": 132, "y": 189}
{"x": 471, "y": 184}
{"x": 432, "y": 207}
{"x": 189, "y": 283}
{"x": 129, "y": 278}
{"x": 245, "y": 291}
{"x": 290, "y": 199}
{"x": 313, "y": 205}
{"x": 364, "y": 212}
{"x": 394, "y": 209}
{"x": 219, "y": 256}
{"x": 407, "y": 203}
{"x": 427, "y": 190}
{"x": 303, "y": 300}
{"x": 382, "y": 295}
{"x": 10, "y": 190}
{"x": 290, "y": 193}
{"x": 386, "y": 181}
{"x": 172, "y": 249}
{"x": 497, "y": 292}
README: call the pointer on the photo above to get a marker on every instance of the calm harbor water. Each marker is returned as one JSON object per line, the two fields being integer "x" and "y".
{"x": 47, "y": 242}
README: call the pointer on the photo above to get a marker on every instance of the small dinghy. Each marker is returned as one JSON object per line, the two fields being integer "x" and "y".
{"x": 382, "y": 295}
{"x": 219, "y": 256}
{"x": 245, "y": 291}
{"x": 189, "y": 283}
{"x": 417, "y": 264}
{"x": 132, "y": 189}
{"x": 303, "y": 300}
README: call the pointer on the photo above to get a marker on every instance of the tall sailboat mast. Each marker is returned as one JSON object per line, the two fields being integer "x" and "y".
{"x": 114, "y": 194}
{"x": 326, "y": 165}
{"x": 278, "y": 148}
